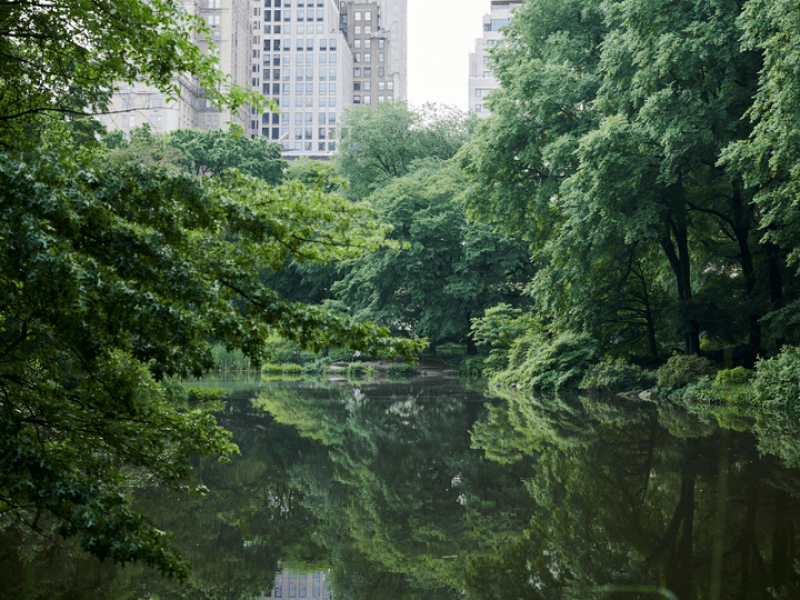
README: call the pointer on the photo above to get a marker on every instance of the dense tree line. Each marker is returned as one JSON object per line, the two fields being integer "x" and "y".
{"x": 647, "y": 151}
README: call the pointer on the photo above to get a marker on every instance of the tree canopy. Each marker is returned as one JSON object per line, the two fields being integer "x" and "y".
{"x": 380, "y": 143}
{"x": 117, "y": 273}
{"x": 625, "y": 145}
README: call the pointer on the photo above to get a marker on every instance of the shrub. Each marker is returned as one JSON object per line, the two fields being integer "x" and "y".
{"x": 195, "y": 394}
{"x": 549, "y": 365}
{"x": 736, "y": 376}
{"x": 777, "y": 381}
{"x": 683, "y": 369}
{"x": 616, "y": 375}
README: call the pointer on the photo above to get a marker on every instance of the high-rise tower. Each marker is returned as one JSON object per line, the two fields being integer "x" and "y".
{"x": 481, "y": 76}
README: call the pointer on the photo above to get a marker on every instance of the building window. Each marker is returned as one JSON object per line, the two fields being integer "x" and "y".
{"x": 357, "y": 72}
{"x": 331, "y": 118}
{"x": 380, "y": 56}
{"x": 215, "y": 4}
{"x": 213, "y": 20}
{"x": 331, "y": 102}
{"x": 481, "y": 92}
{"x": 357, "y": 15}
{"x": 381, "y": 98}
{"x": 331, "y": 59}
{"x": 331, "y": 88}
{"x": 367, "y": 43}
{"x": 321, "y": 133}
{"x": 357, "y": 86}
{"x": 367, "y": 86}
{"x": 332, "y": 74}
{"x": 356, "y": 99}
{"x": 381, "y": 85}
{"x": 323, "y": 44}
{"x": 390, "y": 85}
{"x": 299, "y": 45}
{"x": 323, "y": 73}
{"x": 287, "y": 45}
{"x": 309, "y": 60}
{"x": 381, "y": 43}
{"x": 357, "y": 30}
{"x": 309, "y": 133}
{"x": 488, "y": 74}
{"x": 332, "y": 45}
{"x": 309, "y": 45}
{"x": 301, "y": 15}
{"x": 367, "y": 29}
{"x": 323, "y": 59}
{"x": 380, "y": 71}
{"x": 320, "y": 15}
{"x": 128, "y": 121}
{"x": 357, "y": 44}
{"x": 298, "y": 133}
{"x": 478, "y": 108}
{"x": 323, "y": 89}
{"x": 357, "y": 57}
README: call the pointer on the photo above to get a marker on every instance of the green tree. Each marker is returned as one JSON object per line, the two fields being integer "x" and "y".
{"x": 380, "y": 143}
{"x": 448, "y": 272}
{"x": 603, "y": 149}
{"x": 114, "y": 276}
{"x": 64, "y": 59}
{"x": 216, "y": 150}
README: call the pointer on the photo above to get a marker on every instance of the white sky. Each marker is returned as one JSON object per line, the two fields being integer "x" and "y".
{"x": 441, "y": 34}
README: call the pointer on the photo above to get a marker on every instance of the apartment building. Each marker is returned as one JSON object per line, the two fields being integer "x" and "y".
{"x": 313, "y": 58}
{"x": 137, "y": 104}
{"x": 481, "y": 76}
{"x": 316, "y": 58}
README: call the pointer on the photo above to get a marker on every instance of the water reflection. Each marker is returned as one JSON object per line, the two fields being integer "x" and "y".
{"x": 426, "y": 489}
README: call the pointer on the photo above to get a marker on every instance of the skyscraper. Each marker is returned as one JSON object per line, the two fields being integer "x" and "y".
{"x": 313, "y": 58}
{"x": 137, "y": 104}
{"x": 481, "y": 76}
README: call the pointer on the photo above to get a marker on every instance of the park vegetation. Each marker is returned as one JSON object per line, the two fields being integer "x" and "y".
{"x": 631, "y": 202}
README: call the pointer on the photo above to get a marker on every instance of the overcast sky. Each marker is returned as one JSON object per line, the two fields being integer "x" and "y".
{"x": 441, "y": 34}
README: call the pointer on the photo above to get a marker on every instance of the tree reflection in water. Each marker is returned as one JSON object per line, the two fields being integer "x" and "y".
{"x": 429, "y": 490}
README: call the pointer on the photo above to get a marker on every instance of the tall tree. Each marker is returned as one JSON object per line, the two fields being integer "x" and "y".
{"x": 380, "y": 144}
{"x": 449, "y": 270}
{"x": 115, "y": 274}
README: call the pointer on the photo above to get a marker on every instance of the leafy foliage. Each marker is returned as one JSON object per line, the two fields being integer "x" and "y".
{"x": 447, "y": 271}
{"x": 735, "y": 376}
{"x": 64, "y": 59}
{"x": 114, "y": 276}
{"x": 682, "y": 369}
{"x": 540, "y": 364}
{"x": 777, "y": 380}
{"x": 381, "y": 143}
{"x": 615, "y": 375}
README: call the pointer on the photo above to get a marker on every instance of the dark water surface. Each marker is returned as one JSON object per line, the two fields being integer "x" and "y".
{"x": 428, "y": 489}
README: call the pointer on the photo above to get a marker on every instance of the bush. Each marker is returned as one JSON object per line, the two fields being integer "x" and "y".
{"x": 616, "y": 375}
{"x": 777, "y": 380}
{"x": 549, "y": 365}
{"x": 736, "y": 376}
{"x": 683, "y": 369}
{"x": 195, "y": 394}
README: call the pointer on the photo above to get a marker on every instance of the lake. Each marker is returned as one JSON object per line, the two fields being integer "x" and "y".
{"x": 433, "y": 489}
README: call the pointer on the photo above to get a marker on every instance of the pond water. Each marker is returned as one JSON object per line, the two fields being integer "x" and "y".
{"x": 432, "y": 489}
